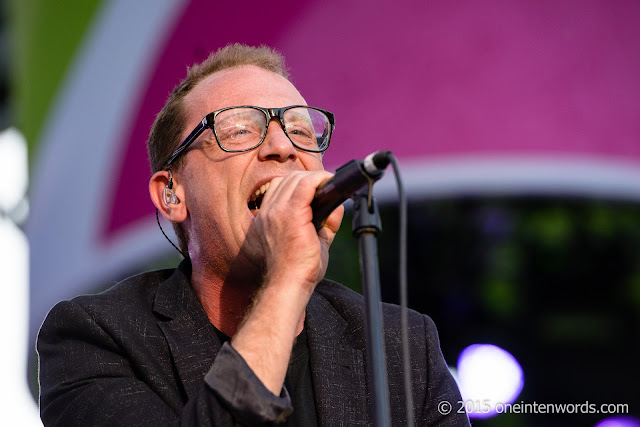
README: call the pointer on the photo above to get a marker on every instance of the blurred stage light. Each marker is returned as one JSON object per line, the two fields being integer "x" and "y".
{"x": 488, "y": 377}
{"x": 18, "y": 406}
{"x": 621, "y": 421}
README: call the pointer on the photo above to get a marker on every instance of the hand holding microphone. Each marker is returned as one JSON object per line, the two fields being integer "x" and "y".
{"x": 347, "y": 181}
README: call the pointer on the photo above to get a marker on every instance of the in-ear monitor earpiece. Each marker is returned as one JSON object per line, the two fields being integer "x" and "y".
{"x": 169, "y": 194}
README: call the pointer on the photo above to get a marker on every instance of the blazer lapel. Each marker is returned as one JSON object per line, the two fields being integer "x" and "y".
{"x": 337, "y": 363}
{"x": 190, "y": 335}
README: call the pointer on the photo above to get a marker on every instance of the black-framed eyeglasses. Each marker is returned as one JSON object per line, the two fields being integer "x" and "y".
{"x": 244, "y": 128}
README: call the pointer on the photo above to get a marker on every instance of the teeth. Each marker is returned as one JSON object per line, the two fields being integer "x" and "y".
{"x": 263, "y": 189}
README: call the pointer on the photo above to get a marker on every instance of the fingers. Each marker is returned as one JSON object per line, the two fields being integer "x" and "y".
{"x": 297, "y": 187}
{"x": 331, "y": 225}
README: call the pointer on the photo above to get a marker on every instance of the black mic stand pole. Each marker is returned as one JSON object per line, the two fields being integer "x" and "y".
{"x": 366, "y": 227}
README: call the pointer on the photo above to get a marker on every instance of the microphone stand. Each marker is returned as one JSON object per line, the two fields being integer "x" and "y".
{"x": 366, "y": 227}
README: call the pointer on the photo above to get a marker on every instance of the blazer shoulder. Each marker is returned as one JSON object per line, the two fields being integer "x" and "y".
{"x": 351, "y": 305}
{"x": 136, "y": 291}
{"x": 119, "y": 314}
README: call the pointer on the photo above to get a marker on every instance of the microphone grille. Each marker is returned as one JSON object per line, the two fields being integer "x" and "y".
{"x": 375, "y": 163}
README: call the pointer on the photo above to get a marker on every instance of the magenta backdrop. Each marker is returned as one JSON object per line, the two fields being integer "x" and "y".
{"x": 423, "y": 78}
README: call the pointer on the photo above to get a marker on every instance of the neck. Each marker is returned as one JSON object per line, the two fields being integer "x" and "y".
{"x": 226, "y": 302}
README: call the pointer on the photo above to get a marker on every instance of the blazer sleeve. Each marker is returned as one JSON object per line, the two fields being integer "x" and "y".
{"x": 441, "y": 386}
{"x": 87, "y": 379}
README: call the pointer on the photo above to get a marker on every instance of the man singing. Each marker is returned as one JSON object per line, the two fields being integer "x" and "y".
{"x": 245, "y": 330}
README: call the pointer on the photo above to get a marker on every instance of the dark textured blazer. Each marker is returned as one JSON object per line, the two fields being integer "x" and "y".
{"x": 138, "y": 354}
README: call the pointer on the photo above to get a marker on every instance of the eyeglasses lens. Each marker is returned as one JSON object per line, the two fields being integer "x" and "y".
{"x": 307, "y": 128}
{"x": 240, "y": 128}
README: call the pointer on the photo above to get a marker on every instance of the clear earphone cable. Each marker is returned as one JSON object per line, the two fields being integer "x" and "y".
{"x": 167, "y": 237}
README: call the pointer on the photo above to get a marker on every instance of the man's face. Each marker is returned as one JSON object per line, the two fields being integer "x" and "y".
{"x": 219, "y": 185}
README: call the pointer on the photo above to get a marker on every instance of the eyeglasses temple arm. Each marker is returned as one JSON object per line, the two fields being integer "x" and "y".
{"x": 188, "y": 141}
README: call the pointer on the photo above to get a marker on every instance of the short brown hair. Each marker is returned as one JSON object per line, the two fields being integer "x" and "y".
{"x": 168, "y": 125}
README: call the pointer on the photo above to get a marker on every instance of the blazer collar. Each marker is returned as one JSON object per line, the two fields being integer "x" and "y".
{"x": 190, "y": 335}
{"x": 337, "y": 365}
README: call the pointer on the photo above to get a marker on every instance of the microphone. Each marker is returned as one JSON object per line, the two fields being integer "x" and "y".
{"x": 347, "y": 181}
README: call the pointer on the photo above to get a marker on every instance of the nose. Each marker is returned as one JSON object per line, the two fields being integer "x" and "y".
{"x": 276, "y": 144}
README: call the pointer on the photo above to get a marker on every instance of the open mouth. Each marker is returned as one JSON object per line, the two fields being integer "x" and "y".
{"x": 256, "y": 198}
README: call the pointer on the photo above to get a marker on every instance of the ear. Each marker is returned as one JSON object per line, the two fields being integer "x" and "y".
{"x": 174, "y": 209}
